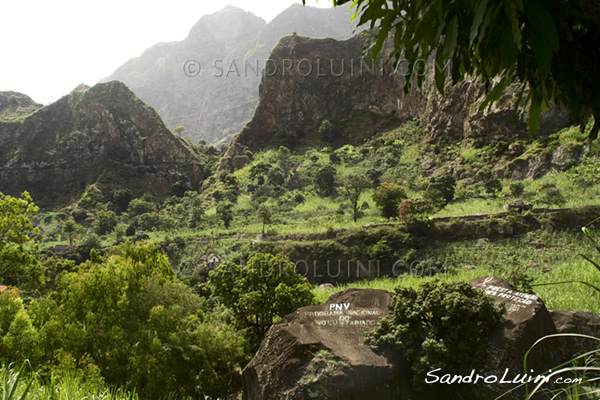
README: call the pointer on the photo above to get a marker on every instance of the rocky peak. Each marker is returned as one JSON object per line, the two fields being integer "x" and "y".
{"x": 101, "y": 135}
{"x": 310, "y": 80}
{"x": 228, "y": 27}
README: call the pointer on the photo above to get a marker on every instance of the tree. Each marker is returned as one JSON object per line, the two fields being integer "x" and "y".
{"x": 70, "y": 228}
{"x": 121, "y": 200}
{"x": 18, "y": 262}
{"x": 263, "y": 290}
{"x": 549, "y": 48}
{"x": 446, "y": 184}
{"x": 225, "y": 214}
{"x": 325, "y": 180}
{"x": 388, "y": 196}
{"x": 179, "y": 130}
{"x": 490, "y": 182}
{"x": 141, "y": 326}
{"x": 264, "y": 214}
{"x": 425, "y": 323}
{"x": 106, "y": 222}
{"x": 354, "y": 185}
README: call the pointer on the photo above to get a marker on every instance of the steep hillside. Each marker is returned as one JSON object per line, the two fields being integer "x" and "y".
{"x": 230, "y": 48}
{"x": 104, "y": 135}
{"x": 313, "y": 80}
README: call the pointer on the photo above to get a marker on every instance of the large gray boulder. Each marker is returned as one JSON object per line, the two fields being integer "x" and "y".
{"x": 576, "y": 322}
{"x": 318, "y": 352}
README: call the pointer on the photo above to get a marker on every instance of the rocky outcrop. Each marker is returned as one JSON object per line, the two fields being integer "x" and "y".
{"x": 103, "y": 135}
{"x": 319, "y": 352}
{"x": 312, "y": 80}
{"x": 215, "y": 95}
{"x": 576, "y": 323}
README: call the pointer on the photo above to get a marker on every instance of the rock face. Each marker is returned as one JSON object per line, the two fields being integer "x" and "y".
{"x": 576, "y": 322}
{"x": 214, "y": 101}
{"x": 103, "y": 135}
{"x": 526, "y": 320}
{"x": 311, "y": 80}
{"x": 318, "y": 352}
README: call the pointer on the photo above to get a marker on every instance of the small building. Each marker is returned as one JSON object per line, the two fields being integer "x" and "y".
{"x": 3, "y": 288}
{"x": 211, "y": 260}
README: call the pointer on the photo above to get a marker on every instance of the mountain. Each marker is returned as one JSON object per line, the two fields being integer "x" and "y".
{"x": 328, "y": 80}
{"x": 104, "y": 135}
{"x": 228, "y": 50}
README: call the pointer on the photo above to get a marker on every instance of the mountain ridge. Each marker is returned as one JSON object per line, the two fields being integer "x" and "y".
{"x": 210, "y": 105}
{"x": 103, "y": 134}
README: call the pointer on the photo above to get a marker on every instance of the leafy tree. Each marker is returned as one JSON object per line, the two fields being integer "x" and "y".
{"x": 490, "y": 183}
{"x": 225, "y": 213}
{"x": 179, "y": 130}
{"x": 179, "y": 188}
{"x": 517, "y": 189}
{"x": 139, "y": 207}
{"x": 446, "y": 184}
{"x": 142, "y": 327}
{"x": 264, "y": 214}
{"x": 327, "y": 131}
{"x": 325, "y": 180}
{"x": 549, "y": 48}
{"x": 354, "y": 185}
{"x": 70, "y": 228}
{"x": 121, "y": 199}
{"x": 388, "y": 197}
{"x": 263, "y": 290}
{"x": 106, "y": 222}
{"x": 18, "y": 262}
{"x": 428, "y": 325}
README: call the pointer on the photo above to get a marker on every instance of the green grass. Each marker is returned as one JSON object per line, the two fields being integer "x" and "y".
{"x": 547, "y": 257}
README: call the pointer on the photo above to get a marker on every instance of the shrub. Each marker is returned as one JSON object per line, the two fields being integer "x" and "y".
{"x": 388, "y": 197}
{"x": 428, "y": 324}
{"x": 517, "y": 189}
{"x": 106, "y": 222}
{"x": 268, "y": 287}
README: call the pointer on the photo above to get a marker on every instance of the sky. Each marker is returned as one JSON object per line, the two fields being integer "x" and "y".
{"x": 47, "y": 48}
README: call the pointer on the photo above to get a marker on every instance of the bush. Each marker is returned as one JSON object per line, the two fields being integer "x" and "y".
{"x": 138, "y": 207}
{"x": 267, "y": 286}
{"x": 388, "y": 197}
{"x": 445, "y": 184}
{"x": 106, "y": 222}
{"x": 428, "y": 325}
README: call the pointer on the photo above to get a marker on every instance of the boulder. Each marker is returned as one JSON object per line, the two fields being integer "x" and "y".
{"x": 526, "y": 320}
{"x": 318, "y": 352}
{"x": 577, "y": 322}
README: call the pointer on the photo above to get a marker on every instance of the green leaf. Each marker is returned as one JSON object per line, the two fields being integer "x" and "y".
{"x": 508, "y": 51}
{"x": 494, "y": 94}
{"x": 543, "y": 55}
{"x": 451, "y": 38}
{"x": 543, "y": 22}
{"x": 477, "y": 21}
{"x": 515, "y": 29}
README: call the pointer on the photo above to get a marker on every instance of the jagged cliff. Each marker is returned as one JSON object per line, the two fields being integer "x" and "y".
{"x": 104, "y": 135}
{"x": 311, "y": 80}
{"x": 230, "y": 48}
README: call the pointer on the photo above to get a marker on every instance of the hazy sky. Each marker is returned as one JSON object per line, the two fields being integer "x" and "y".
{"x": 48, "y": 47}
